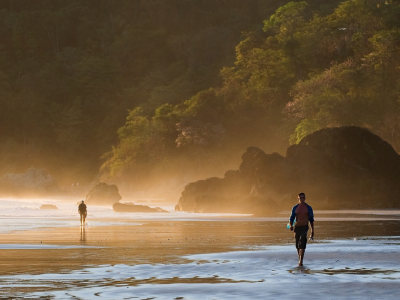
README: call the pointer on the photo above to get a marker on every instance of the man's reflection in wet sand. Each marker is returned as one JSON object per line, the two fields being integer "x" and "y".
{"x": 83, "y": 235}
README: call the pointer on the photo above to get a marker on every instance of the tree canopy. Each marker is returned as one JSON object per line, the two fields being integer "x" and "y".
{"x": 71, "y": 69}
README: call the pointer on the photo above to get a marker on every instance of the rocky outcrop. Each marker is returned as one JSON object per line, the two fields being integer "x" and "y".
{"x": 260, "y": 206}
{"x": 234, "y": 185}
{"x": 34, "y": 182}
{"x": 103, "y": 194}
{"x": 48, "y": 206}
{"x": 130, "y": 207}
{"x": 343, "y": 167}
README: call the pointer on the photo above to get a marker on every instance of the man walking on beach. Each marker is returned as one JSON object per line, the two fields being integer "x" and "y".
{"x": 83, "y": 212}
{"x": 303, "y": 214}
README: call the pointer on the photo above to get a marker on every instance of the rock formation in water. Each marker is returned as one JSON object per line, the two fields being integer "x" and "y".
{"x": 130, "y": 207}
{"x": 343, "y": 167}
{"x": 48, "y": 206}
{"x": 34, "y": 182}
{"x": 103, "y": 194}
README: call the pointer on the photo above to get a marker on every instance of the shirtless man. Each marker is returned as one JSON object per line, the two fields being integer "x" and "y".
{"x": 303, "y": 214}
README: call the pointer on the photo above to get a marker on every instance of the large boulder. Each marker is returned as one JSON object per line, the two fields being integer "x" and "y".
{"x": 34, "y": 182}
{"x": 343, "y": 167}
{"x": 256, "y": 205}
{"x": 187, "y": 202}
{"x": 232, "y": 184}
{"x": 103, "y": 194}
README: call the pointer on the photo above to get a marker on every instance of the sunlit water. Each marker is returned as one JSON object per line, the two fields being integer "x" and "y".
{"x": 25, "y": 214}
{"x": 178, "y": 255}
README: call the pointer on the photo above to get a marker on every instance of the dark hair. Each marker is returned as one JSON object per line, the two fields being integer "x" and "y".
{"x": 302, "y": 194}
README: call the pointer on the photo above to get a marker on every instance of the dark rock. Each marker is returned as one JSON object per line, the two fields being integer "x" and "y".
{"x": 103, "y": 194}
{"x": 187, "y": 202}
{"x": 34, "y": 182}
{"x": 344, "y": 167}
{"x": 130, "y": 207}
{"x": 236, "y": 205}
{"x": 231, "y": 184}
{"x": 48, "y": 206}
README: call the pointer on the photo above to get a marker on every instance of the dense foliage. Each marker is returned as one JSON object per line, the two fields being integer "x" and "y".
{"x": 70, "y": 70}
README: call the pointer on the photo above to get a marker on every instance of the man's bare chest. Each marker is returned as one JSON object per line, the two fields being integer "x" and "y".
{"x": 301, "y": 210}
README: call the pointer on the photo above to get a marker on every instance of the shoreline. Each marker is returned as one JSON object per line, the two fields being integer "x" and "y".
{"x": 15, "y": 224}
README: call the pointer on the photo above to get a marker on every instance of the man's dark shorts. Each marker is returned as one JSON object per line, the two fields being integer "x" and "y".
{"x": 300, "y": 234}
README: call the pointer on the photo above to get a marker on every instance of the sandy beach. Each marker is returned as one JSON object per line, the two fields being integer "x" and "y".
{"x": 194, "y": 256}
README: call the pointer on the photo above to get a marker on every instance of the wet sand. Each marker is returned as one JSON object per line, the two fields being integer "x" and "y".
{"x": 225, "y": 258}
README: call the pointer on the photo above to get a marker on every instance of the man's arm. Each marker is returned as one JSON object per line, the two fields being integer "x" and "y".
{"x": 292, "y": 217}
{"x": 311, "y": 219}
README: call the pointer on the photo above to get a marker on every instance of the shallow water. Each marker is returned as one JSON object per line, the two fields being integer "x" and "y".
{"x": 45, "y": 254}
{"x": 361, "y": 269}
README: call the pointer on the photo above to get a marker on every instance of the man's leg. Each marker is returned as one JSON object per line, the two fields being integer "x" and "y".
{"x": 302, "y": 247}
{"x": 81, "y": 218}
{"x": 301, "y": 256}
{"x": 296, "y": 238}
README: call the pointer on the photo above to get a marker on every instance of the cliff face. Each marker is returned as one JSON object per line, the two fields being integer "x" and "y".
{"x": 344, "y": 167}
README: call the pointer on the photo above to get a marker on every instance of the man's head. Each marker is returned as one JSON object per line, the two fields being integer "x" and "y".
{"x": 82, "y": 201}
{"x": 302, "y": 197}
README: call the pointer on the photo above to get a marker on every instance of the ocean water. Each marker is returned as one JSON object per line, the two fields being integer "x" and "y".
{"x": 25, "y": 214}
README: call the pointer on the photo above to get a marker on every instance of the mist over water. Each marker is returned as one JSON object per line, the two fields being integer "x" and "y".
{"x": 18, "y": 214}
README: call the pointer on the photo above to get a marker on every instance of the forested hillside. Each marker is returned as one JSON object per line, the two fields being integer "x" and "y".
{"x": 202, "y": 81}
{"x": 71, "y": 69}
